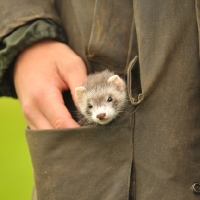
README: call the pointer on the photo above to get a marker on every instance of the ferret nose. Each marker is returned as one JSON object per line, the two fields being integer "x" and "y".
{"x": 101, "y": 116}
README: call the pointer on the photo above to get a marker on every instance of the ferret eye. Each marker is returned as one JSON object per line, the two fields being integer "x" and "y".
{"x": 89, "y": 106}
{"x": 109, "y": 99}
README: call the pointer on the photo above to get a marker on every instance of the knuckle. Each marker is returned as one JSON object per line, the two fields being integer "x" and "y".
{"x": 27, "y": 110}
{"x": 37, "y": 96}
{"x": 59, "y": 123}
{"x": 76, "y": 61}
{"x": 79, "y": 61}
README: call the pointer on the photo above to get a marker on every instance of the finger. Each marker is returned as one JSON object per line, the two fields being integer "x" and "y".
{"x": 75, "y": 76}
{"x": 56, "y": 112}
{"x": 35, "y": 119}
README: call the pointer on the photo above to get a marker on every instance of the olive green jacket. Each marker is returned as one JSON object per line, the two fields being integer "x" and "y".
{"x": 152, "y": 150}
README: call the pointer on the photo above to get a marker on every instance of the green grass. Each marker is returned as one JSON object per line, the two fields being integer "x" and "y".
{"x": 16, "y": 176}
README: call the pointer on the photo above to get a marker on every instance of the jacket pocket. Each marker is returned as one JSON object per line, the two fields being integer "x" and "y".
{"x": 86, "y": 163}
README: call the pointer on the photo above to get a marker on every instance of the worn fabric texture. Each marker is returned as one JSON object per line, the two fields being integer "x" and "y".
{"x": 87, "y": 163}
{"x": 152, "y": 150}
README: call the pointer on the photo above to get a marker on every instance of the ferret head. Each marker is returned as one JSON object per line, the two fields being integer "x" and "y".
{"x": 103, "y": 102}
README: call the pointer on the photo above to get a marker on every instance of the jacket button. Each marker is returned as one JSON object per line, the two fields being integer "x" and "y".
{"x": 196, "y": 188}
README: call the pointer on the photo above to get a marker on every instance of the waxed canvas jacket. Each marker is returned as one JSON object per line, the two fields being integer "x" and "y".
{"x": 150, "y": 152}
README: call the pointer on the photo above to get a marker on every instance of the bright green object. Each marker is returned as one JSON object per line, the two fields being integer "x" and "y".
{"x": 16, "y": 176}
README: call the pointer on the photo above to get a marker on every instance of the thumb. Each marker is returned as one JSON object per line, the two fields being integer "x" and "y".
{"x": 75, "y": 78}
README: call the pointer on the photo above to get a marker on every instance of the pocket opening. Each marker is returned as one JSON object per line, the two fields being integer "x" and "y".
{"x": 133, "y": 82}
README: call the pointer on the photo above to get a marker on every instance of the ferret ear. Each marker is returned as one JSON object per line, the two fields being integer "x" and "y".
{"x": 115, "y": 79}
{"x": 79, "y": 91}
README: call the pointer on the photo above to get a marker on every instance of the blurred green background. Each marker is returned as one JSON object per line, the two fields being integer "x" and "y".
{"x": 16, "y": 175}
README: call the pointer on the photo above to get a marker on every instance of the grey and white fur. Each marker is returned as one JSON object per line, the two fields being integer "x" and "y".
{"x": 100, "y": 98}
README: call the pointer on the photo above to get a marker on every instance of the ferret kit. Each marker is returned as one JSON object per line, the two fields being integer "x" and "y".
{"x": 100, "y": 98}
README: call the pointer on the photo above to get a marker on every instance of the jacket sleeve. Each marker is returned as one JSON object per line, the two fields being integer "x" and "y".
{"x": 19, "y": 28}
{"x": 17, "y": 41}
{"x": 14, "y": 13}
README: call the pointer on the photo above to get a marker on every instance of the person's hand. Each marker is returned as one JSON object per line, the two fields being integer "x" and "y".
{"x": 42, "y": 72}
